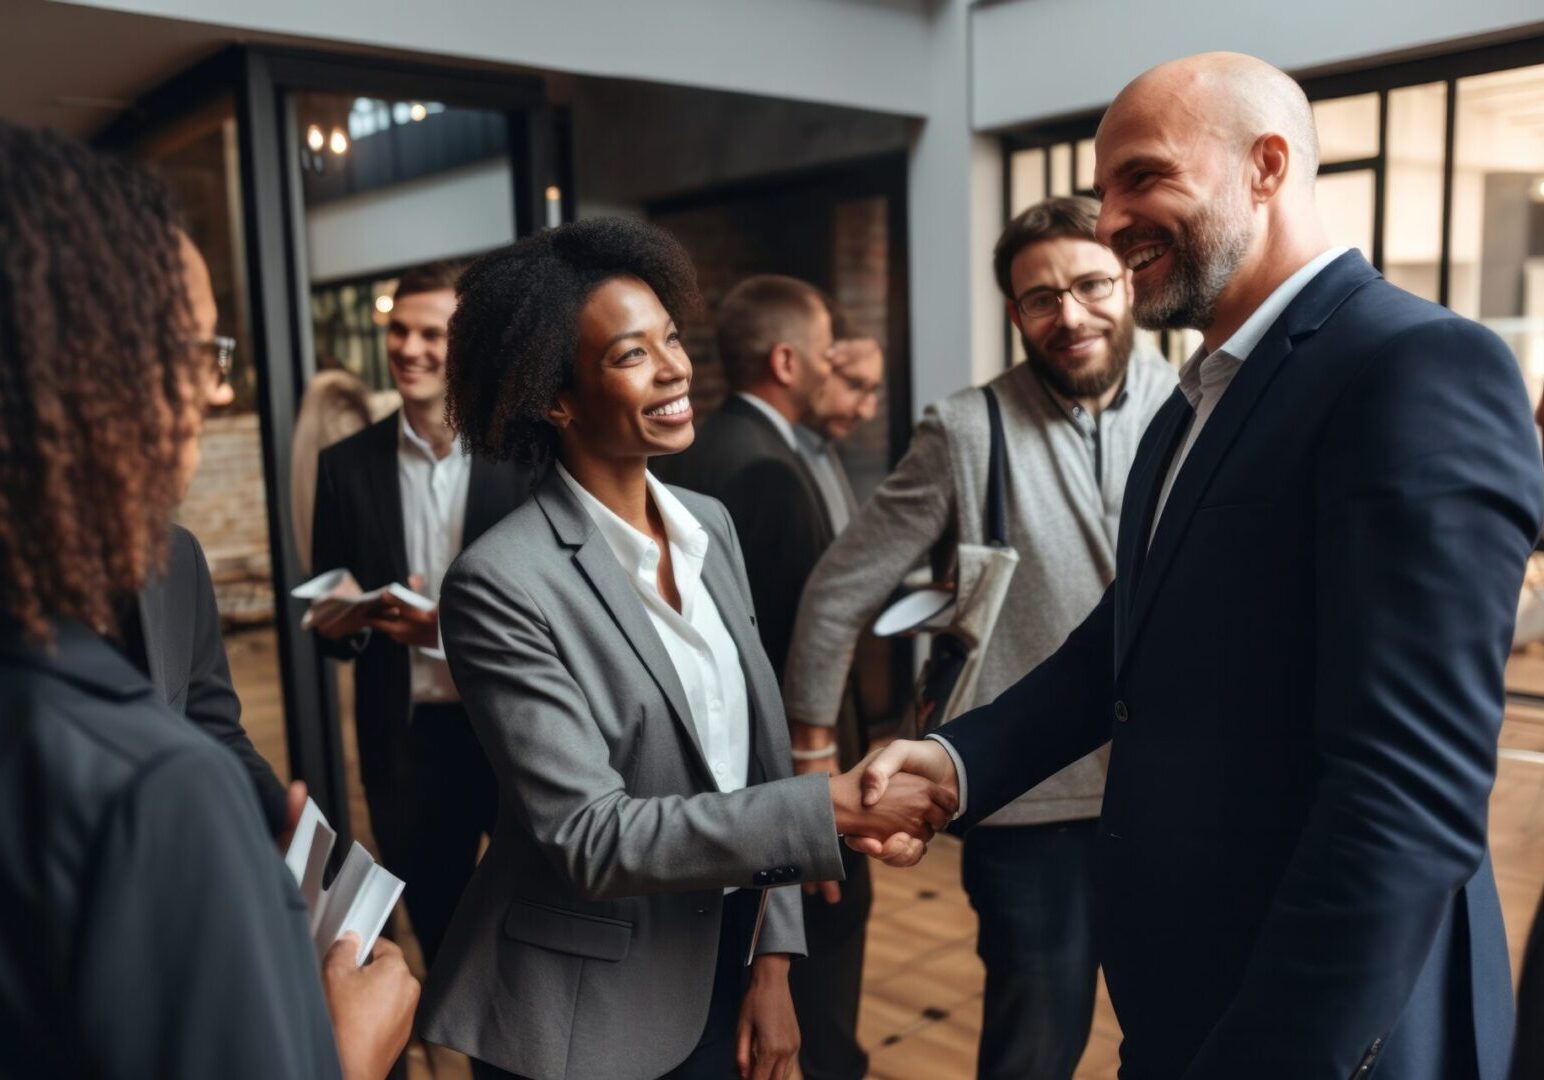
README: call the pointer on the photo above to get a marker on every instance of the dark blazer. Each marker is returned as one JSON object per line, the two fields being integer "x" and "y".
{"x": 152, "y": 929}
{"x": 1302, "y": 684}
{"x": 358, "y": 526}
{"x": 188, "y": 666}
{"x": 739, "y": 457}
{"x": 584, "y": 947}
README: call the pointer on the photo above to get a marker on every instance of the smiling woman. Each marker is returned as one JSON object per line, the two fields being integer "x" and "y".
{"x": 603, "y": 641}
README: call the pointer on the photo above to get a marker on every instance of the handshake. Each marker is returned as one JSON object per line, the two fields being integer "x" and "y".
{"x": 892, "y": 802}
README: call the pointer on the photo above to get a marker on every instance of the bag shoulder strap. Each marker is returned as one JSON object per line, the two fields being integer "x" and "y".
{"x": 996, "y": 475}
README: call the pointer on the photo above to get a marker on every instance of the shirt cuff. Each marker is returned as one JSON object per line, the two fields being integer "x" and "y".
{"x": 959, "y": 770}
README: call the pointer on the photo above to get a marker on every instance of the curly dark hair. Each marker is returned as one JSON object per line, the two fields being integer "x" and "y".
{"x": 95, "y": 364}
{"x": 515, "y": 332}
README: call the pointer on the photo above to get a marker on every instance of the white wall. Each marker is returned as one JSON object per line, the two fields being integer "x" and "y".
{"x": 863, "y": 53}
{"x": 447, "y": 215}
{"x": 1034, "y": 59}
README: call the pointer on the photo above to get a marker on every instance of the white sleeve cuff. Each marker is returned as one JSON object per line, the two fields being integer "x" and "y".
{"x": 959, "y": 769}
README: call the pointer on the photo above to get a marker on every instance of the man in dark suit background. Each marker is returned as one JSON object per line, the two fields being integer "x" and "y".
{"x": 1300, "y": 665}
{"x": 396, "y": 503}
{"x": 766, "y": 456}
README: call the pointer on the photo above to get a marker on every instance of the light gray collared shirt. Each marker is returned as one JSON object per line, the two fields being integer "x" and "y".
{"x": 819, "y": 456}
{"x": 1206, "y": 376}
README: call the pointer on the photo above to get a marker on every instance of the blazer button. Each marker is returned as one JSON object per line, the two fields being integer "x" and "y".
{"x": 1121, "y": 713}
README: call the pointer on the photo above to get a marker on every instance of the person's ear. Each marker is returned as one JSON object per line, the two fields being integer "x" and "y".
{"x": 561, "y": 413}
{"x": 1013, "y": 316}
{"x": 781, "y": 362}
{"x": 1270, "y": 158}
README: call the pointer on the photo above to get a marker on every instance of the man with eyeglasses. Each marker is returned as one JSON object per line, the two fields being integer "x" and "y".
{"x": 1072, "y": 415}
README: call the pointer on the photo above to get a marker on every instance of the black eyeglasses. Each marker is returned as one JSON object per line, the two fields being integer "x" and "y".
{"x": 222, "y": 350}
{"x": 1046, "y": 302}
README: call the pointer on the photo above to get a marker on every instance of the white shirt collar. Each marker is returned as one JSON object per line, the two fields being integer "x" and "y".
{"x": 407, "y": 438}
{"x": 779, "y": 421}
{"x": 1246, "y": 337}
{"x": 636, "y": 551}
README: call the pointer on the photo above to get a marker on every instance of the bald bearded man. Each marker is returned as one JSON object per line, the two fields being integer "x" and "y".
{"x": 1299, "y": 665}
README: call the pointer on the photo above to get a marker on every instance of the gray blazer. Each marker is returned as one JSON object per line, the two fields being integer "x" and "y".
{"x": 584, "y": 947}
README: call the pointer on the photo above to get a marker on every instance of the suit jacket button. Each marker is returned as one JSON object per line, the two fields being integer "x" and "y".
{"x": 1121, "y": 713}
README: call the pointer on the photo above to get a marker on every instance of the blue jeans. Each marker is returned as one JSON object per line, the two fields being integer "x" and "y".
{"x": 1031, "y": 888}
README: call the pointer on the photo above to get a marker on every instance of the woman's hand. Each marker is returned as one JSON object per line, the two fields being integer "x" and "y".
{"x": 769, "y": 1032}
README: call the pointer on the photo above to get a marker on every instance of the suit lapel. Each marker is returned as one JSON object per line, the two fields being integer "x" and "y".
{"x": 777, "y": 446}
{"x": 598, "y": 563}
{"x": 386, "y": 492}
{"x": 1307, "y": 312}
{"x": 760, "y": 680}
{"x": 152, "y": 624}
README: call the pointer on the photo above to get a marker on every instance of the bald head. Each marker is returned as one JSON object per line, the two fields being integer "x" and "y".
{"x": 1239, "y": 99}
{"x": 1206, "y": 169}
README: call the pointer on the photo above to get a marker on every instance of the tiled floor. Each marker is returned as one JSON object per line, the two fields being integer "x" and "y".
{"x": 922, "y": 987}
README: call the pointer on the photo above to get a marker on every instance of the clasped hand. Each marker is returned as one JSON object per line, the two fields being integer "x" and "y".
{"x": 905, "y": 770}
{"x": 893, "y": 812}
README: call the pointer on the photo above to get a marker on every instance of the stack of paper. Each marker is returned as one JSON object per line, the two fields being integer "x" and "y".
{"x": 361, "y": 895}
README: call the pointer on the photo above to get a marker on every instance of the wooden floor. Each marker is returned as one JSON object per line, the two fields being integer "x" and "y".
{"x": 922, "y": 988}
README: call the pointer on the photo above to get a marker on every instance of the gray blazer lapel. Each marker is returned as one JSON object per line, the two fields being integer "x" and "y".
{"x": 599, "y": 565}
{"x": 760, "y": 680}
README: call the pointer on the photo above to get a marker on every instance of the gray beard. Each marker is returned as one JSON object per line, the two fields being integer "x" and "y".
{"x": 1204, "y": 255}
{"x": 1089, "y": 382}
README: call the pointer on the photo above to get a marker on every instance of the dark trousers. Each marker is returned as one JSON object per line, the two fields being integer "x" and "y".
{"x": 1528, "y": 1058}
{"x": 429, "y": 810}
{"x": 1031, "y": 888}
{"x": 828, "y": 984}
{"x": 713, "y": 1056}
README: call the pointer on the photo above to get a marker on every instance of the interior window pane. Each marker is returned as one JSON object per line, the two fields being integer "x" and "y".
{"x": 1348, "y": 128}
{"x": 1061, "y": 169}
{"x": 1345, "y": 204}
{"x": 1412, "y": 215}
{"x": 1026, "y": 180}
{"x": 1085, "y": 164}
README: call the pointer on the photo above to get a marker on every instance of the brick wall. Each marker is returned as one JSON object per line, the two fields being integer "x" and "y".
{"x": 226, "y": 509}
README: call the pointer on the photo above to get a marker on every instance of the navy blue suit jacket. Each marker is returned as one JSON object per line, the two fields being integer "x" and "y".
{"x": 1302, "y": 684}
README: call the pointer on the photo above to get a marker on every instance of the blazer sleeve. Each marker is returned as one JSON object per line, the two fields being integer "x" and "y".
{"x": 212, "y": 703}
{"x": 534, "y": 723}
{"x": 782, "y": 536}
{"x": 901, "y": 522}
{"x": 332, "y": 547}
{"x": 1050, "y": 718}
{"x": 192, "y": 954}
{"x": 1429, "y": 499}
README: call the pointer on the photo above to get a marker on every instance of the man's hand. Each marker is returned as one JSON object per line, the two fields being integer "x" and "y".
{"x": 371, "y": 1006}
{"x": 768, "y": 1040}
{"x": 345, "y": 623}
{"x": 815, "y": 739}
{"x": 408, "y": 625}
{"x": 903, "y": 759}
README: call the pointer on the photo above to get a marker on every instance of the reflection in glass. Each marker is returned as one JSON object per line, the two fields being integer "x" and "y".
{"x": 1348, "y": 128}
{"x": 1026, "y": 180}
{"x": 1497, "y": 238}
{"x": 1412, "y": 216}
{"x": 1346, "y": 207}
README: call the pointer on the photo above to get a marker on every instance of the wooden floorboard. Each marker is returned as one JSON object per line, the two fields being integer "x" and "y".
{"x": 921, "y": 1010}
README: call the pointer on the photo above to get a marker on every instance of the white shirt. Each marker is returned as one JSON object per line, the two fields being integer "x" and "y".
{"x": 1203, "y": 380}
{"x": 434, "y": 494}
{"x": 1206, "y": 376}
{"x": 705, "y": 657}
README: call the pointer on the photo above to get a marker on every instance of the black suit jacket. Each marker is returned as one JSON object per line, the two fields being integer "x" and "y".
{"x": 151, "y": 927}
{"x": 180, "y": 624}
{"x": 740, "y": 458}
{"x": 358, "y": 526}
{"x": 1302, "y": 684}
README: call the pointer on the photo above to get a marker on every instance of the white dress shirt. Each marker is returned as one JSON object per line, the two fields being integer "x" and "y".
{"x": 704, "y": 655}
{"x": 1206, "y": 376}
{"x": 434, "y": 491}
{"x": 1203, "y": 380}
